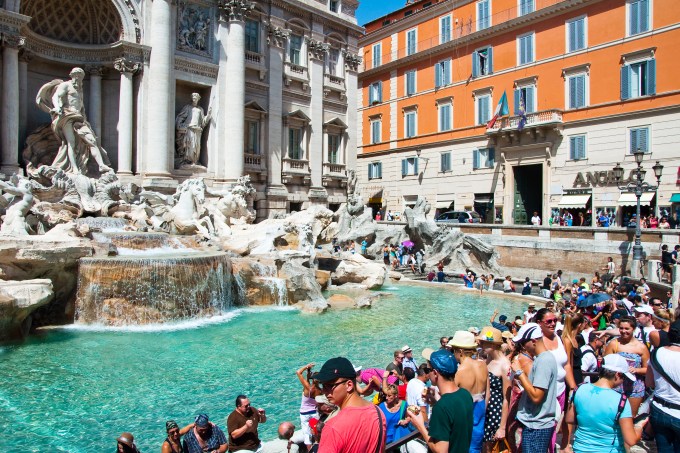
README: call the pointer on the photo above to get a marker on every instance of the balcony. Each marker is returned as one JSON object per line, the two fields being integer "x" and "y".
{"x": 294, "y": 72}
{"x": 334, "y": 172}
{"x": 537, "y": 122}
{"x": 255, "y": 165}
{"x": 296, "y": 168}
{"x": 334, "y": 83}
{"x": 256, "y": 61}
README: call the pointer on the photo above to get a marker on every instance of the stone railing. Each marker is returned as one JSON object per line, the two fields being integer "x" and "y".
{"x": 295, "y": 72}
{"x": 542, "y": 118}
{"x": 253, "y": 57}
{"x": 295, "y": 168}
{"x": 329, "y": 168}
{"x": 334, "y": 172}
{"x": 253, "y": 160}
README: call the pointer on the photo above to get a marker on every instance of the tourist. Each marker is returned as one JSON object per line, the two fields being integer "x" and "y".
{"x": 416, "y": 391}
{"x": 450, "y": 428}
{"x": 378, "y": 217}
{"x": 530, "y": 313}
{"x": 409, "y": 361}
{"x": 508, "y": 286}
{"x": 441, "y": 276}
{"x": 573, "y": 327}
{"x": 498, "y": 365}
{"x": 396, "y": 366}
{"x": 637, "y": 355}
{"x": 653, "y": 222}
{"x": 394, "y": 411}
{"x": 473, "y": 376}
{"x": 538, "y": 403}
{"x": 610, "y": 269}
{"x": 536, "y": 219}
{"x": 242, "y": 425}
{"x": 359, "y": 425}
{"x": 308, "y": 403}
{"x": 545, "y": 289}
{"x": 525, "y": 361}
{"x": 372, "y": 380}
{"x": 325, "y": 408}
{"x": 500, "y": 325}
{"x": 664, "y": 377}
{"x": 480, "y": 283}
{"x": 603, "y": 416}
{"x": 590, "y": 353}
{"x": 364, "y": 247}
{"x": 526, "y": 287}
{"x": 490, "y": 280}
{"x": 386, "y": 255}
{"x": 284, "y": 443}
{"x": 662, "y": 320}
{"x": 431, "y": 275}
{"x": 205, "y": 436}
{"x": 172, "y": 443}
{"x": 126, "y": 444}
{"x": 644, "y": 315}
{"x": 666, "y": 264}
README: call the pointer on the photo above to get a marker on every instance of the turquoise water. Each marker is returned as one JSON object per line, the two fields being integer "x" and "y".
{"x": 76, "y": 390}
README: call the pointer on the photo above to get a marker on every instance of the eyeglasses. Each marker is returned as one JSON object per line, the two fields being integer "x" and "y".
{"x": 400, "y": 358}
{"x": 330, "y": 388}
{"x": 550, "y": 321}
{"x": 657, "y": 305}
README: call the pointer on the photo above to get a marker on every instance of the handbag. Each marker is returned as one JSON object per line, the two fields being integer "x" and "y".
{"x": 501, "y": 446}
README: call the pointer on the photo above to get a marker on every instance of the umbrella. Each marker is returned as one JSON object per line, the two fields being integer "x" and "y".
{"x": 408, "y": 244}
{"x": 594, "y": 299}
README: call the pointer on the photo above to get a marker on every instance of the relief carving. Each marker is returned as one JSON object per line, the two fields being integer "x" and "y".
{"x": 193, "y": 30}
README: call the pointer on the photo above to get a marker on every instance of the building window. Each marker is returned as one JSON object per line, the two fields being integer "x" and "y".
{"x": 445, "y": 162}
{"x": 482, "y": 62}
{"x": 638, "y": 16}
{"x": 411, "y": 39}
{"x": 638, "y": 79}
{"x": 410, "y": 123}
{"x": 525, "y": 48}
{"x": 409, "y": 166}
{"x": 295, "y": 51}
{"x": 483, "y": 158}
{"x": 577, "y": 147}
{"x": 252, "y": 138}
{"x": 576, "y": 34}
{"x": 333, "y": 57}
{"x": 639, "y": 139}
{"x": 333, "y": 148}
{"x": 334, "y": 5}
{"x": 375, "y": 170}
{"x": 526, "y": 7}
{"x": 252, "y": 36}
{"x": 483, "y": 14}
{"x": 526, "y": 94}
{"x": 377, "y": 55}
{"x": 295, "y": 143}
{"x": 442, "y": 73}
{"x": 577, "y": 91}
{"x": 483, "y": 107}
{"x": 375, "y": 92}
{"x": 410, "y": 82}
{"x": 445, "y": 117}
{"x": 376, "y": 126}
{"x": 444, "y": 29}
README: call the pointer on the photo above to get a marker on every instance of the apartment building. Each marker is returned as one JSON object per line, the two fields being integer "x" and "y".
{"x": 587, "y": 83}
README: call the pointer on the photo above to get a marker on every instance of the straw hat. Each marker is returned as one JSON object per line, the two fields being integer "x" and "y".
{"x": 490, "y": 335}
{"x": 463, "y": 340}
{"x": 507, "y": 334}
{"x": 427, "y": 352}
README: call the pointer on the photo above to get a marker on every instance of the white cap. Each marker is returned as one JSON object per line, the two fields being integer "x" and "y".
{"x": 645, "y": 309}
{"x": 406, "y": 349}
{"x": 529, "y": 331}
{"x": 357, "y": 368}
{"x": 615, "y": 362}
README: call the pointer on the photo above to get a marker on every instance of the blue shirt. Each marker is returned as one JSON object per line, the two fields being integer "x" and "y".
{"x": 217, "y": 438}
{"x": 596, "y": 410}
{"x": 499, "y": 326}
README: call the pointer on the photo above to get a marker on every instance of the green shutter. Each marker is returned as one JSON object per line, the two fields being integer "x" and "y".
{"x": 491, "y": 157}
{"x": 379, "y": 169}
{"x": 651, "y": 77}
{"x": 489, "y": 60}
{"x": 475, "y": 159}
{"x": 404, "y": 167}
{"x": 625, "y": 82}
{"x": 475, "y": 64}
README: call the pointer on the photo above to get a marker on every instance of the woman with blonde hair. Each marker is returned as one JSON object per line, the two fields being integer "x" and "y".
{"x": 662, "y": 320}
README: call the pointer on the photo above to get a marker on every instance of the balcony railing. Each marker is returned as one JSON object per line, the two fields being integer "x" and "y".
{"x": 253, "y": 57}
{"x": 459, "y": 30}
{"x": 333, "y": 169}
{"x": 293, "y": 71}
{"x": 252, "y": 160}
{"x": 535, "y": 119}
{"x": 295, "y": 168}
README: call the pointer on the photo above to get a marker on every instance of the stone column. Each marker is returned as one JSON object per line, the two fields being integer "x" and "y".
{"x": 127, "y": 70}
{"x": 10, "y": 104}
{"x": 160, "y": 129}
{"x": 352, "y": 62}
{"x": 94, "y": 114}
{"x": 231, "y": 114}
{"x": 24, "y": 58}
{"x": 317, "y": 58}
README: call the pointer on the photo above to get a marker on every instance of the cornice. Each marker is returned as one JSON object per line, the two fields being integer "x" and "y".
{"x": 320, "y": 15}
{"x": 11, "y": 22}
{"x": 191, "y": 66}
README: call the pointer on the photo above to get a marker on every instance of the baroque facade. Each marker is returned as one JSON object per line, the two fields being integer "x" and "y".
{"x": 276, "y": 75}
{"x": 588, "y": 82}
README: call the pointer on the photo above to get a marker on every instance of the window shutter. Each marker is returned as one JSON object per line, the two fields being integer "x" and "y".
{"x": 572, "y": 92}
{"x": 415, "y": 165}
{"x": 651, "y": 77}
{"x": 486, "y": 14}
{"x": 370, "y": 171}
{"x": 529, "y": 101}
{"x": 485, "y": 110}
{"x": 633, "y": 140}
{"x": 379, "y": 91}
{"x": 404, "y": 167}
{"x": 625, "y": 82}
{"x": 634, "y": 17}
{"x": 437, "y": 75}
{"x": 371, "y": 94}
{"x": 489, "y": 60}
{"x": 449, "y": 119}
{"x": 475, "y": 64}
{"x": 643, "y": 9}
{"x": 447, "y": 72}
{"x": 530, "y": 49}
{"x": 516, "y": 97}
{"x": 643, "y": 139}
{"x": 572, "y": 36}
{"x": 581, "y": 34}
{"x": 572, "y": 148}
{"x": 475, "y": 159}
{"x": 379, "y": 170}
{"x": 582, "y": 147}
{"x": 492, "y": 157}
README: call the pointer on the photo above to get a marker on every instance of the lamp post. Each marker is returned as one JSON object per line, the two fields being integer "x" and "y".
{"x": 638, "y": 186}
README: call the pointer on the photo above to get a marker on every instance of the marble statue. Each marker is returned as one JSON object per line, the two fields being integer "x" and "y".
{"x": 231, "y": 204}
{"x": 17, "y": 209}
{"x": 189, "y": 125}
{"x": 63, "y": 100}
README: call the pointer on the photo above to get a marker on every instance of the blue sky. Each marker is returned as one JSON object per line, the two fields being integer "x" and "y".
{"x": 372, "y": 9}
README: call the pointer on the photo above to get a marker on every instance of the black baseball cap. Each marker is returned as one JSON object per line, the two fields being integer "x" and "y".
{"x": 337, "y": 367}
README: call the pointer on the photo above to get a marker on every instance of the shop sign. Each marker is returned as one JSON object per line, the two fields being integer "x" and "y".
{"x": 600, "y": 178}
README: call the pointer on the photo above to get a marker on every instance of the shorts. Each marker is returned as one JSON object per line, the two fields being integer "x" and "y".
{"x": 306, "y": 429}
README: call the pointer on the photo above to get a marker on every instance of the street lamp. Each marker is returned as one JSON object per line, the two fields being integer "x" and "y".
{"x": 638, "y": 186}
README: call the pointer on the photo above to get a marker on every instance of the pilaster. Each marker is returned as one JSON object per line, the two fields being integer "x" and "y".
{"x": 317, "y": 51}
{"x": 94, "y": 114}
{"x": 127, "y": 70}
{"x": 24, "y": 58}
{"x": 10, "y": 103}
{"x": 352, "y": 63}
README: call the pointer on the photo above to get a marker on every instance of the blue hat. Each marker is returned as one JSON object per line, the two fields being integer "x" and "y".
{"x": 444, "y": 362}
{"x": 202, "y": 420}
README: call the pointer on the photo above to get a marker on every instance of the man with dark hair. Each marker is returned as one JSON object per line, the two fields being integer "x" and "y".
{"x": 500, "y": 325}
{"x": 242, "y": 425}
{"x": 359, "y": 426}
{"x": 450, "y": 427}
{"x": 589, "y": 353}
{"x": 416, "y": 388}
{"x": 205, "y": 436}
{"x": 396, "y": 366}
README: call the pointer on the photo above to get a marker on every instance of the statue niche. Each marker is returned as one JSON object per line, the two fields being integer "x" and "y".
{"x": 189, "y": 126}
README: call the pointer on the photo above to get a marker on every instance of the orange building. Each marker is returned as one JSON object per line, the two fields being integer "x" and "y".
{"x": 587, "y": 83}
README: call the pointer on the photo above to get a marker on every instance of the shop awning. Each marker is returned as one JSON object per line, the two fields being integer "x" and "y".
{"x": 675, "y": 198}
{"x": 482, "y": 199}
{"x": 574, "y": 201}
{"x": 629, "y": 199}
{"x": 443, "y": 204}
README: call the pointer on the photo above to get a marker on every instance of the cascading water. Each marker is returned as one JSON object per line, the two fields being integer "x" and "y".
{"x": 163, "y": 283}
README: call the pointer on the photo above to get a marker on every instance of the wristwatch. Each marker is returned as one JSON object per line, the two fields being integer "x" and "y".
{"x": 518, "y": 373}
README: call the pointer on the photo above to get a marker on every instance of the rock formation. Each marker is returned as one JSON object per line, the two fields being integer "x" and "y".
{"x": 18, "y": 301}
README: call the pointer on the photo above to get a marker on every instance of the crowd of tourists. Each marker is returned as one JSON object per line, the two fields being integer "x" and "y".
{"x": 600, "y": 367}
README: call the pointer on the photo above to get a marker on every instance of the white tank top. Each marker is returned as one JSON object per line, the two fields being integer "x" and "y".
{"x": 561, "y": 358}
{"x": 670, "y": 361}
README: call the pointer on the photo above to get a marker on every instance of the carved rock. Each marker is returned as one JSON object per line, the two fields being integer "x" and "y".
{"x": 354, "y": 268}
{"x": 18, "y": 300}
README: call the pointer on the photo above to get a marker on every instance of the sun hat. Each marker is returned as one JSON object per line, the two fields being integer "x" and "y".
{"x": 598, "y": 284}
{"x": 126, "y": 439}
{"x": 463, "y": 340}
{"x": 615, "y": 362}
{"x": 406, "y": 349}
{"x": 507, "y": 335}
{"x": 337, "y": 367}
{"x": 322, "y": 399}
{"x": 490, "y": 335}
{"x": 519, "y": 322}
{"x": 443, "y": 361}
{"x": 473, "y": 330}
{"x": 644, "y": 309}
{"x": 532, "y": 304}
{"x": 427, "y": 352}
{"x": 529, "y": 331}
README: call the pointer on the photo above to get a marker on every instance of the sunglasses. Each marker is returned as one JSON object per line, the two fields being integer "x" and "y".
{"x": 330, "y": 388}
{"x": 550, "y": 321}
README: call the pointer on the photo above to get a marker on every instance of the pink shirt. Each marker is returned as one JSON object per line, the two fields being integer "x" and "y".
{"x": 353, "y": 430}
{"x": 367, "y": 374}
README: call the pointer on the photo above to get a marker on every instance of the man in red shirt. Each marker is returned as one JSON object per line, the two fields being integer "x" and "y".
{"x": 359, "y": 426}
